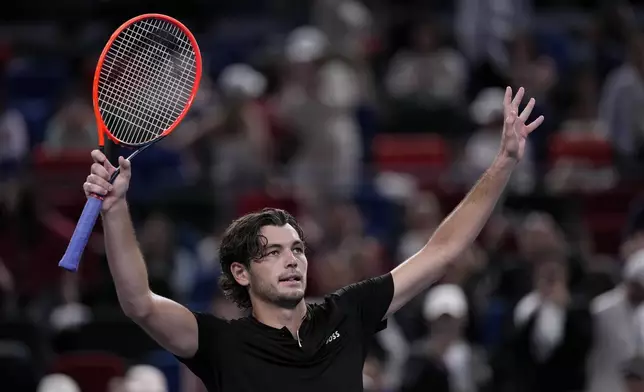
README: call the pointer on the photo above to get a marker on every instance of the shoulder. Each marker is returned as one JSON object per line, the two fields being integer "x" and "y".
{"x": 526, "y": 308}
{"x": 624, "y": 77}
{"x": 356, "y": 292}
{"x": 607, "y": 301}
{"x": 211, "y": 325}
{"x": 12, "y": 117}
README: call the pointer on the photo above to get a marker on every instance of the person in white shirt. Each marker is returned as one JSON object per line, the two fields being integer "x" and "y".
{"x": 553, "y": 332}
{"x": 619, "y": 329}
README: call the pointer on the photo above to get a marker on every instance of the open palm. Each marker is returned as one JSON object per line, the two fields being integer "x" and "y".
{"x": 515, "y": 129}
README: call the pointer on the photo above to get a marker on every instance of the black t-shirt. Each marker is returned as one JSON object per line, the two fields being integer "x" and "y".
{"x": 245, "y": 355}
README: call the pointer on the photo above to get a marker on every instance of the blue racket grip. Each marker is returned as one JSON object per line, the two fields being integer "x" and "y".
{"x": 84, "y": 227}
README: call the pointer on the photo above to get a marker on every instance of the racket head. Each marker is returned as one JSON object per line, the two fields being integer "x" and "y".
{"x": 132, "y": 78}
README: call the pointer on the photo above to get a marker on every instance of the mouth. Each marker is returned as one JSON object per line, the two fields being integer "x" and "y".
{"x": 291, "y": 278}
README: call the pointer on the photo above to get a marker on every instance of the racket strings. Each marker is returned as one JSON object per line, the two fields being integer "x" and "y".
{"x": 132, "y": 76}
{"x": 142, "y": 93}
{"x": 146, "y": 80}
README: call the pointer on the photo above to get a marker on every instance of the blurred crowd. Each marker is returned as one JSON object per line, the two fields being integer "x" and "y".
{"x": 368, "y": 121}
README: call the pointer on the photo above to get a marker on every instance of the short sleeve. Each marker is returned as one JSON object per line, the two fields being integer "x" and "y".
{"x": 204, "y": 363}
{"x": 369, "y": 300}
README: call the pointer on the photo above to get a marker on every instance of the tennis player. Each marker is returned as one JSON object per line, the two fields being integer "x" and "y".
{"x": 287, "y": 345}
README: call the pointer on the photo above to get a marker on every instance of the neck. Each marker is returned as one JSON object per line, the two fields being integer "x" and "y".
{"x": 280, "y": 317}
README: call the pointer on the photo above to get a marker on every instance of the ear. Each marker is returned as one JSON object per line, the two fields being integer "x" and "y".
{"x": 240, "y": 273}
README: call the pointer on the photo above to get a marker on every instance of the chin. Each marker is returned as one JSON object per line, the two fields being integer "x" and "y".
{"x": 290, "y": 300}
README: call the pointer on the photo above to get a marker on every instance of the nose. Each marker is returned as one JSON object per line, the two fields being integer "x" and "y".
{"x": 291, "y": 260}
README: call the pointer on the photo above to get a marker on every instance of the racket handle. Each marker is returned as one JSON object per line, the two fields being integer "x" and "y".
{"x": 84, "y": 227}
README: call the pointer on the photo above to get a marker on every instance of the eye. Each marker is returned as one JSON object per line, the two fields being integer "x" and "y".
{"x": 298, "y": 250}
{"x": 274, "y": 253}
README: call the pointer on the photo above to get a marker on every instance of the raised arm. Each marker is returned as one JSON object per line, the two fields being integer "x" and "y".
{"x": 173, "y": 326}
{"x": 457, "y": 232}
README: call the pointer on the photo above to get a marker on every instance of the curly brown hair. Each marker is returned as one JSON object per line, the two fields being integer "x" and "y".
{"x": 243, "y": 243}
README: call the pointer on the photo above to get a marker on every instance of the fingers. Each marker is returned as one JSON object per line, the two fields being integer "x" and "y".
{"x": 511, "y": 118}
{"x": 98, "y": 181}
{"x": 125, "y": 166}
{"x": 100, "y": 158}
{"x": 97, "y": 185}
{"x": 525, "y": 114}
{"x": 535, "y": 124}
{"x": 507, "y": 99}
{"x": 517, "y": 99}
{"x": 100, "y": 171}
{"x": 93, "y": 189}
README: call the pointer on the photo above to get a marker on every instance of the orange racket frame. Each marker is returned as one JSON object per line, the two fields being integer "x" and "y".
{"x": 102, "y": 129}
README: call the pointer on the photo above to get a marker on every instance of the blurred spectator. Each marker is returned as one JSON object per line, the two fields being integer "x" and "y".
{"x": 239, "y": 145}
{"x": 422, "y": 216}
{"x": 58, "y": 383}
{"x": 72, "y": 128}
{"x": 621, "y": 98}
{"x": 158, "y": 242}
{"x": 14, "y": 139}
{"x": 619, "y": 331}
{"x": 346, "y": 24}
{"x": 570, "y": 174}
{"x": 428, "y": 71}
{"x": 70, "y": 313}
{"x": 346, "y": 233}
{"x": 317, "y": 102}
{"x": 483, "y": 30}
{"x": 531, "y": 68}
{"x": 346, "y": 253}
{"x": 444, "y": 360}
{"x": 144, "y": 378}
{"x": 349, "y": 28}
{"x": 554, "y": 333}
{"x": 509, "y": 276}
{"x": 582, "y": 119}
{"x": 482, "y": 147}
{"x": 540, "y": 235}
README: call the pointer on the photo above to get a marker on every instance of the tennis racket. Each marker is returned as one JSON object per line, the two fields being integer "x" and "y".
{"x": 145, "y": 82}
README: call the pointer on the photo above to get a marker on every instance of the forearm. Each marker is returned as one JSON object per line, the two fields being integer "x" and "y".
{"x": 453, "y": 236}
{"x": 464, "y": 224}
{"x": 126, "y": 262}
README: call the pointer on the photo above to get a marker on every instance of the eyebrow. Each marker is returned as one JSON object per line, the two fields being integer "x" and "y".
{"x": 280, "y": 246}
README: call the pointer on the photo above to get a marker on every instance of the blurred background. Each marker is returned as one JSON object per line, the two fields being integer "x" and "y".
{"x": 369, "y": 121}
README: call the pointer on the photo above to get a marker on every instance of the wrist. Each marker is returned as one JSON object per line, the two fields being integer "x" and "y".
{"x": 118, "y": 208}
{"x": 504, "y": 162}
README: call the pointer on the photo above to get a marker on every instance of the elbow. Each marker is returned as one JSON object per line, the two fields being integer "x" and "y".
{"x": 446, "y": 252}
{"x": 138, "y": 309}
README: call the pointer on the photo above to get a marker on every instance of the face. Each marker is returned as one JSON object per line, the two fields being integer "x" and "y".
{"x": 279, "y": 276}
{"x": 446, "y": 327}
{"x": 424, "y": 38}
{"x": 538, "y": 234}
{"x": 550, "y": 273}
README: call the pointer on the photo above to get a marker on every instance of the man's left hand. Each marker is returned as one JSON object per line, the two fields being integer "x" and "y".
{"x": 515, "y": 130}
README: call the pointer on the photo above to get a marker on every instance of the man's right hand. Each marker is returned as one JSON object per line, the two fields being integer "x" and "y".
{"x": 98, "y": 181}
